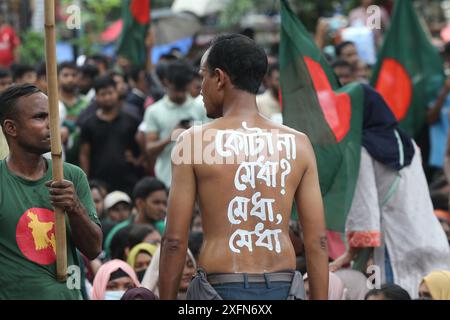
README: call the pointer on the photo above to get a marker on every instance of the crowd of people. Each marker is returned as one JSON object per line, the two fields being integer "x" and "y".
{"x": 119, "y": 124}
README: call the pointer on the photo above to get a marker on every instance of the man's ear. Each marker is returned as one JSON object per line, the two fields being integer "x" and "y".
{"x": 10, "y": 128}
{"x": 222, "y": 78}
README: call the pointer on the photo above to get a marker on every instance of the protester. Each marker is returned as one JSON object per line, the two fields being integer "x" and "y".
{"x": 109, "y": 151}
{"x": 9, "y": 44}
{"x": 391, "y": 210}
{"x": 23, "y": 74}
{"x": 175, "y": 112}
{"x": 388, "y": 292}
{"x": 233, "y": 69}
{"x": 27, "y": 236}
{"x": 139, "y": 294}
{"x": 140, "y": 257}
{"x": 113, "y": 279}
{"x": 269, "y": 102}
{"x": 435, "y": 286}
{"x": 117, "y": 206}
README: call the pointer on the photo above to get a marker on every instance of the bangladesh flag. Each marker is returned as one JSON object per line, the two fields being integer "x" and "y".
{"x": 136, "y": 21}
{"x": 331, "y": 116}
{"x": 409, "y": 71}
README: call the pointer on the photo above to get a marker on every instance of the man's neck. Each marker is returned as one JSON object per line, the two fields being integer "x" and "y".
{"x": 68, "y": 98}
{"x": 30, "y": 166}
{"x": 108, "y": 115}
{"x": 240, "y": 104}
{"x": 141, "y": 218}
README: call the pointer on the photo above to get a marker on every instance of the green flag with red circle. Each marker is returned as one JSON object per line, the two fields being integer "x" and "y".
{"x": 136, "y": 21}
{"x": 409, "y": 70}
{"x": 331, "y": 116}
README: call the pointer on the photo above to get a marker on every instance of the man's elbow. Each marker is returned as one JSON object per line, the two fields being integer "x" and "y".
{"x": 172, "y": 244}
{"x": 95, "y": 248}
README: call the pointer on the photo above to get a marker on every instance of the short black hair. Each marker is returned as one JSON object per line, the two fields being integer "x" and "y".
{"x": 135, "y": 71}
{"x": 89, "y": 71}
{"x": 19, "y": 70}
{"x": 67, "y": 65}
{"x": 98, "y": 184}
{"x": 138, "y": 233}
{"x": 113, "y": 73}
{"x": 41, "y": 70}
{"x": 179, "y": 73}
{"x": 240, "y": 57}
{"x": 4, "y": 73}
{"x": 146, "y": 186}
{"x": 342, "y": 63}
{"x": 341, "y": 46}
{"x": 100, "y": 58}
{"x": 390, "y": 291}
{"x": 103, "y": 82}
{"x": 9, "y": 97}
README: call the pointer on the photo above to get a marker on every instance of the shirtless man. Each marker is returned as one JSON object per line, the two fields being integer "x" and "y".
{"x": 245, "y": 204}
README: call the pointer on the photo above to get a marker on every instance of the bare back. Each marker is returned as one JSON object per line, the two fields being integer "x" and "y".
{"x": 246, "y": 185}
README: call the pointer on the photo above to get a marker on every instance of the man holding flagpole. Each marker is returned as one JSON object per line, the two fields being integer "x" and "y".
{"x": 28, "y": 196}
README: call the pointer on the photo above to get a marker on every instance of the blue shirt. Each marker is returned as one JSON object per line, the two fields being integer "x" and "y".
{"x": 438, "y": 136}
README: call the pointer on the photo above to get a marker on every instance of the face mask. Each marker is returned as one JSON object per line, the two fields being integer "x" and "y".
{"x": 141, "y": 274}
{"x": 114, "y": 295}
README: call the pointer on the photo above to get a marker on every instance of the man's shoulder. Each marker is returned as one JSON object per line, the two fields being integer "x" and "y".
{"x": 72, "y": 171}
{"x": 156, "y": 109}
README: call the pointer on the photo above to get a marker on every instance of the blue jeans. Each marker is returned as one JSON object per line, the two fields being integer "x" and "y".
{"x": 254, "y": 291}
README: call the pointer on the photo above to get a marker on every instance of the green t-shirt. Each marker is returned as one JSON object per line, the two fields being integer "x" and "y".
{"x": 27, "y": 241}
{"x": 4, "y": 150}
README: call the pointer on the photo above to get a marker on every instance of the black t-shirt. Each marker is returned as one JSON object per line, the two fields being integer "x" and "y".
{"x": 108, "y": 143}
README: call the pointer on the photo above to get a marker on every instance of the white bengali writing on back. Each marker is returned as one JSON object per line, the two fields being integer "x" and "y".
{"x": 264, "y": 239}
{"x": 267, "y": 172}
{"x": 252, "y": 142}
{"x": 262, "y": 208}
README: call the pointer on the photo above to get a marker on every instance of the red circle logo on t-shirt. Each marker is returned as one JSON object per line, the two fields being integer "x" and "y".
{"x": 35, "y": 235}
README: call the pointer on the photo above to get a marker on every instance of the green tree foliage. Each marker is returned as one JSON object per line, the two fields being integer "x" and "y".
{"x": 32, "y": 49}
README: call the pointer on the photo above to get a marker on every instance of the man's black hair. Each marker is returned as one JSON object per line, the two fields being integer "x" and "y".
{"x": 100, "y": 58}
{"x": 89, "y": 71}
{"x": 239, "y": 57}
{"x": 5, "y": 73}
{"x": 390, "y": 292}
{"x": 273, "y": 67}
{"x": 9, "y": 98}
{"x": 135, "y": 71}
{"x": 342, "y": 63}
{"x": 146, "y": 186}
{"x": 41, "y": 70}
{"x": 67, "y": 65}
{"x": 103, "y": 82}
{"x": 341, "y": 46}
{"x": 179, "y": 73}
{"x": 138, "y": 233}
{"x": 168, "y": 57}
{"x": 98, "y": 184}
{"x": 113, "y": 73}
{"x": 19, "y": 70}
{"x": 119, "y": 243}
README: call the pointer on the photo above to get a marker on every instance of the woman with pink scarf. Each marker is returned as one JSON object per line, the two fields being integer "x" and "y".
{"x": 113, "y": 279}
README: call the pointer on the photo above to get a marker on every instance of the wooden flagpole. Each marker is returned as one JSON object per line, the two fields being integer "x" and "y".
{"x": 50, "y": 49}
